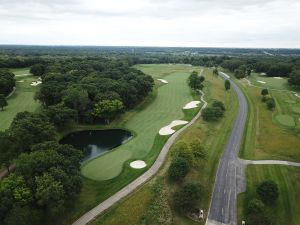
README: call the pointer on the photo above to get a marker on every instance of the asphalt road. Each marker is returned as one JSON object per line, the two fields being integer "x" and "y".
{"x": 230, "y": 179}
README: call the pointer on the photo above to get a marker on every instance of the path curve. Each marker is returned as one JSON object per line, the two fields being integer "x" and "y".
{"x": 93, "y": 213}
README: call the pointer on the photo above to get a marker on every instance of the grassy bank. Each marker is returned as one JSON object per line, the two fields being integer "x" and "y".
{"x": 287, "y": 208}
{"x": 135, "y": 208}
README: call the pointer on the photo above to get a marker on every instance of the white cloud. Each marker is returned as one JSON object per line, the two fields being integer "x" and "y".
{"x": 231, "y": 23}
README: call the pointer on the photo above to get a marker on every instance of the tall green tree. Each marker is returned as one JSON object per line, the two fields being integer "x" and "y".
{"x": 195, "y": 81}
{"x": 38, "y": 69}
{"x": 108, "y": 109}
{"x": 187, "y": 197}
{"x": 8, "y": 149}
{"x": 227, "y": 84}
{"x": 3, "y": 101}
{"x": 268, "y": 192}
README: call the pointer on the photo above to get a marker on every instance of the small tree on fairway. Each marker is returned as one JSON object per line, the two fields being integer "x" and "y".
{"x": 188, "y": 196}
{"x": 227, "y": 85}
{"x": 3, "y": 101}
{"x": 264, "y": 92}
{"x": 195, "y": 81}
{"x": 215, "y": 72}
{"x": 270, "y": 103}
{"x": 178, "y": 169}
{"x": 268, "y": 191}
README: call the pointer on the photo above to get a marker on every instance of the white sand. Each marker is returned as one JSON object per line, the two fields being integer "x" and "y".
{"x": 163, "y": 81}
{"x": 191, "y": 105}
{"x": 138, "y": 164}
{"x": 260, "y": 81}
{"x": 20, "y": 81}
{"x": 298, "y": 96}
{"x": 279, "y": 78}
{"x": 167, "y": 130}
{"x": 35, "y": 83}
{"x": 263, "y": 74}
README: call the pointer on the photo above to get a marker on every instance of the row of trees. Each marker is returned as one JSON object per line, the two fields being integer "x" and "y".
{"x": 270, "y": 102}
{"x": 7, "y": 82}
{"x": 184, "y": 157}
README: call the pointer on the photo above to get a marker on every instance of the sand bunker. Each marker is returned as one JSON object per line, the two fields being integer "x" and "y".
{"x": 20, "y": 81}
{"x": 279, "y": 78}
{"x": 263, "y": 74}
{"x": 191, "y": 105}
{"x": 35, "y": 83}
{"x": 138, "y": 164}
{"x": 167, "y": 130}
{"x": 298, "y": 96}
{"x": 163, "y": 81}
{"x": 260, "y": 81}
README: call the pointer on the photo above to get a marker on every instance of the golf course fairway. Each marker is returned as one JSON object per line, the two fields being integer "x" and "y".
{"x": 166, "y": 107}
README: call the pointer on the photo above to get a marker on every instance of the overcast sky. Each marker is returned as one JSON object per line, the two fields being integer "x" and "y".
{"x": 199, "y": 23}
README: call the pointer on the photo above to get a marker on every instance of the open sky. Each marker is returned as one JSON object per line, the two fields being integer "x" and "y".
{"x": 198, "y": 23}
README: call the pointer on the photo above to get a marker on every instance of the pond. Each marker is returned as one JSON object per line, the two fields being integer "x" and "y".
{"x": 96, "y": 142}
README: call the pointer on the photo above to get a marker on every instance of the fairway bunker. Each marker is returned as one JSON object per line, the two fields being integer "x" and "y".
{"x": 191, "y": 105}
{"x": 138, "y": 164}
{"x": 279, "y": 78}
{"x": 167, "y": 130}
{"x": 35, "y": 83}
{"x": 260, "y": 81}
{"x": 163, "y": 81}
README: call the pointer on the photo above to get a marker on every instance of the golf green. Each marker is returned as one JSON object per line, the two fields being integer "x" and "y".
{"x": 166, "y": 107}
{"x": 285, "y": 120}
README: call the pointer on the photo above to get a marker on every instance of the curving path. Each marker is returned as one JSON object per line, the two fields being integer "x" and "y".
{"x": 89, "y": 216}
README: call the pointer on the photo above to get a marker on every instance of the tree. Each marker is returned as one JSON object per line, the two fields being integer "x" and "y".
{"x": 268, "y": 192}
{"x": 294, "y": 79}
{"x": 178, "y": 169}
{"x": 23, "y": 215}
{"x": 7, "y": 82}
{"x": 187, "y": 197}
{"x": 50, "y": 194}
{"x": 264, "y": 92}
{"x": 3, "y": 101}
{"x": 182, "y": 150}
{"x": 240, "y": 72}
{"x": 7, "y": 149}
{"x": 108, "y": 109}
{"x": 60, "y": 115}
{"x": 75, "y": 97}
{"x": 214, "y": 112}
{"x": 215, "y": 72}
{"x": 198, "y": 150}
{"x": 270, "y": 103}
{"x": 195, "y": 81}
{"x": 31, "y": 128}
{"x": 227, "y": 84}
{"x": 38, "y": 69}
{"x": 255, "y": 206}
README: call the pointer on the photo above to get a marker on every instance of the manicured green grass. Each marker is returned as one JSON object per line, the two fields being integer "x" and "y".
{"x": 21, "y": 100}
{"x": 285, "y": 120}
{"x": 265, "y": 136}
{"x": 287, "y": 208}
{"x": 271, "y": 82}
{"x": 145, "y": 125}
{"x": 213, "y": 136}
{"x": 296, "y": 109}
{"x": 21, "y": 72}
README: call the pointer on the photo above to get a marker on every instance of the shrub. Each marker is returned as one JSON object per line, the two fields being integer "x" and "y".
{"x": 187, "y": 197}
{"x": 214, "y": 112}
{"x": 268, "y": 191}
{"x": 270, "y": 103}
{"x": 178, "y": 169}
{"x": 182, "y": 150}
{"x": 255, "y": 206}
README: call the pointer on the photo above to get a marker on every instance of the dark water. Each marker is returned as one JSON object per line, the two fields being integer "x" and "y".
{"x": 96, "y": 142}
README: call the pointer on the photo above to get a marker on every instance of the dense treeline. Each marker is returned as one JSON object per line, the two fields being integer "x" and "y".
{"x": 7, "y": 82}
{"x": 84, "y": 85}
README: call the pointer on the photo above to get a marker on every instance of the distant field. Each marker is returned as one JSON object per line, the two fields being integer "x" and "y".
{"x": 287, "y": 209}
{"x": 166, "y": 107}
{"x": 21, "y": 72}
{"x": 135, "y": 207}
{"x": 21, "y": 100}
{"x": 272, "y": 134}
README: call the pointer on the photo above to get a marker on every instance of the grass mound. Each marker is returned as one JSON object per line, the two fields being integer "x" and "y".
{"x": 296, "y": 109}
{"x": 285, "y": 120}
